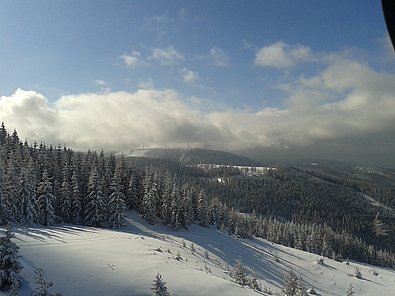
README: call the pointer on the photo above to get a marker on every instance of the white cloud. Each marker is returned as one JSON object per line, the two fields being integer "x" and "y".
{"x": 29, "y": 112}
{"x": 219, "y": 57}
{"x": 281, "y": 55}
{"x": 132, "y": 59}
{"x": 348, "y": 99}
{"x": 167, "y": 56}
{"x": 189, "y": 76}
{"x": 100, "y": 82}
{"x": 146, "y": 84}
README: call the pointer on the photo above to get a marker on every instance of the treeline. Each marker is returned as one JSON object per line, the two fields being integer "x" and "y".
{"x": 292, "y": 195}
{"x": 49, "y": 185}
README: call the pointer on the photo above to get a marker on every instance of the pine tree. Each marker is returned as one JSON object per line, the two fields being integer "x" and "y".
{"x": 27, "y": 195}
{"x": 116, "y": 204}
{"x": 357, "y": 273}
{"x": 10, "y": 266}
{"x": 4, "y": 205}
{"x": 76, "y": 205}
{"x": 350, "y": 291}
{"x": 13, "y": 193}
{"x": 66, "y": 193}
{"x": 301, "y": 290}
{"x": 166, "y": 199}
{"x": 3, "y": 134}
{"x": 239, "y": 274}
{"x": 202, "y": 209}
{"x": 175, "y": 208}
{"x": 46, "y": 215}
{"x": 148, "y": 204}
{"x": 42, "y": 285}
{"x": 159, "y": 287}
{"x": 291, "y": 285}
{"x": 133, "y": 199}
{"x": 95, "y": 209}
{"x": 116, "y": 207}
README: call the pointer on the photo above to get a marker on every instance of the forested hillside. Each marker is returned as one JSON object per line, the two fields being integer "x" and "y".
{"x": 49, "y": 185}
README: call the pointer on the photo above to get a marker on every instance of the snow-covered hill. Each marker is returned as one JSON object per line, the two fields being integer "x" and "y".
{"x": 194, "y": 156}
{"x": 91, "y": 261}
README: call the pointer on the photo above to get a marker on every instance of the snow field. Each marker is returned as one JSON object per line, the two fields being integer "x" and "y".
{"x": 91, "y": 261}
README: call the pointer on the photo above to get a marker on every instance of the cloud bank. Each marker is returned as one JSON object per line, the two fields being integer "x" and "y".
{"x": 347, "y": 100}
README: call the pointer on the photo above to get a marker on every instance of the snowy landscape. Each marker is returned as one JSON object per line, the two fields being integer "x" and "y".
{"x": 92, "y": 261}
{"x": 197, "y": 148}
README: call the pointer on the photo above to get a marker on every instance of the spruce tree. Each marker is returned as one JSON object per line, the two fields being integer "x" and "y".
{"x": 175, "y": 208}
{"x": 10, "y": 267}
{"x": 239, "y": 274}
{"x": 159, "y": 287}
{"x": 76, "y": 205}
{"x": 42, "y": 285}
{"x": 27, "y": 195}
{"x": 3, "y": 134}
{"x": 148, "y": 204}
{"x": 95, "y": 209}
{"x": 13, "y": 198}
{"x": 4, "y": 205}
{"x": 291, "y": 285}
{"x": 350, "y": 291}
{"x": 202, "y": 209}
{"x": 116, "y": 207}
{"x": 133, "y": 199}
{"x": 166, "y": 200}
{"x": 46, "y": 214}
{"x": 66, "y": 201}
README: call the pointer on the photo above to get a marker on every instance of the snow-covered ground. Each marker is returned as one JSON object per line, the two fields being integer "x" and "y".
{"x": 91, "y": 261}
{"x": 138, "y": 153}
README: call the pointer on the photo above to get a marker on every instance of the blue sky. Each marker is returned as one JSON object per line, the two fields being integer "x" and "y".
{"x": 252, "y": 61}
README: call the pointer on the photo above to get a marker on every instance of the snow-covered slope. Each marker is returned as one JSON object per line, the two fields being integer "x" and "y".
{"x": 91, "y": 261}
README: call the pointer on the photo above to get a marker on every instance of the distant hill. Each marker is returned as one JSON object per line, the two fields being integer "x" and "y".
{"x": 194, "y": 156}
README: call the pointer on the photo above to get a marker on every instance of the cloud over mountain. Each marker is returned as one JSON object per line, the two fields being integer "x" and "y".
{"x": 347, "y": 100}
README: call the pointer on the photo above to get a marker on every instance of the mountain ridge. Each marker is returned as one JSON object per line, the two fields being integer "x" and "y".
{"x": 195, "y": 156}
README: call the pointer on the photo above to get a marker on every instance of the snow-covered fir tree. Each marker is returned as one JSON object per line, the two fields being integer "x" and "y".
{"x": 148, "y": 204}
{"x": 5, "y": 211}
{"x": 165, "y": 213}
{"x": 350, "y": 290}
{"x": 12, "y": 189}
{"x": 45, "y": 213}
{"x": 292, "y": 285}
{"x": 116, "y": 208}
{"x": 175, "y": 208}
{"x": 159, "y": 287}
{"x": 95, "y": 212}
{"x": 27, "y": 197}
{"x": 357, "y": 273}
{"x": 10, "y": 266}
{"x": 116, "y": 204}
{"x": 76, "y": 205}
{"x": 66, "y": 201}
{"x": 239, "y": 274}
{"x": 42, "y": 285}
{"x": 133, "y": 199}
{"x": 202, "y": 209}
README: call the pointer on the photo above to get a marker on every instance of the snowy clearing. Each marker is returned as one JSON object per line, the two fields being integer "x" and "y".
{"x": 92, "y": 261}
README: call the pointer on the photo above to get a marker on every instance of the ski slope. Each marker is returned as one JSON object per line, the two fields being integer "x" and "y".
{"x": 92, "y": 261}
